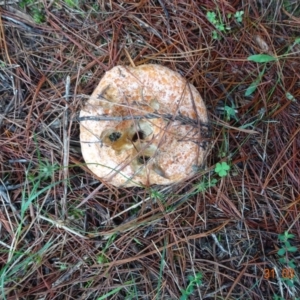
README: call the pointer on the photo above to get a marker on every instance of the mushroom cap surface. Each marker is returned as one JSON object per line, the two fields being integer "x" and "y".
{"x": 143, "y": 125}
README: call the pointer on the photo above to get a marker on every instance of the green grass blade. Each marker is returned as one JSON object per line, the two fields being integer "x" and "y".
{"x": 261, "y": 58}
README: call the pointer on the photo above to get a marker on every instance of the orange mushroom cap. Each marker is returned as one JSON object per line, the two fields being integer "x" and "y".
{"x": 143, "y": 125}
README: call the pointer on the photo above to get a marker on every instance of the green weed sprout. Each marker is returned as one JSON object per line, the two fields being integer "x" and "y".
{"x": 283, "y": 253}
{"x": 290, "y": 97}
{"x": 230, "y": 112}
{"x": 72, "y": 3}
{"x": 222, "y": 168}
{"x": 261, "y": 59}
{"x": 239, "y": 16}
{"x": 276, "y": 297}
{"x": 35, "y": 9}
{"x": 205, "y": 184}
{"x": 102, "y": 258}
{"x": 219, "y": 24}
{"x": 114, "y": 291}
{"x": 193, "y": 282}
{"x": 264, "y": 59}
{"x": 286, "y": 248}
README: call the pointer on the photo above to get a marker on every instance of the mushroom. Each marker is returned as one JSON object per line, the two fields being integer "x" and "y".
{"x": 143, "y": 125}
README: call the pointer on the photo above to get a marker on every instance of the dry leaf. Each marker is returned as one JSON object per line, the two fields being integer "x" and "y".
{"x": 261, "y": 43}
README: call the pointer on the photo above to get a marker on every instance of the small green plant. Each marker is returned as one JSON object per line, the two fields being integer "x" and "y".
{"x": 217, "y": 22}
{"x": 156, "y": 194}
{"x": 114, "y": 291}
{"x": 38, "y": 15}
{"x": 63, "y": 266}
{"x": 76, "y": 213}
{"x": 45, "y": 169}
{"x": 72, "y": 3}
{"x": 161, "y": 269}
{"x": 230, "y": 112}
{"x": 95, "y": 7}
{"x": 286, "y": 248}
{"x": 193, "y": 282}
{"x": 289, "y": 273}
{"x": 276, "y": 297}
{"x": 261, "y": 59}
{"x": 35, "y": 9}
{"x": 264, "y": 59}
{"x": 205, "y": 184}
{"x": 19, "y": 264}
{"x": 102, "y": 258}
{"x": 290, "y": 97}
{"x": 2, "y": 64}
{"x": 292, "y": 7}
{"x": 239, "y": 16}
{"x": 221, "y": 25}
{"x": 222, "y": 168}
{"x": 160, "y": 198}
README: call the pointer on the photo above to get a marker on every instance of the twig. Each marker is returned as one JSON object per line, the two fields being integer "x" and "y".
{"x": 183, "y": 119}
{"x": 218, "y": 244}
{"x": 161, "y": 2}
{"x": 7, "y": 108}
{"x": 69, "y": 273}
{"x": 60, "y": 224}
{"x": 146, "y": 25}
{"x": 132, "y": 207}
{"x": 66, "y": 144}
{"x": 4, "y": 187}
{"x": 225, "y": 286}
{"x": 4, "y": 194}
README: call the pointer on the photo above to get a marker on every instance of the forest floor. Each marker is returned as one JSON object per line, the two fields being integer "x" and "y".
{"x": 229, "y": 234}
